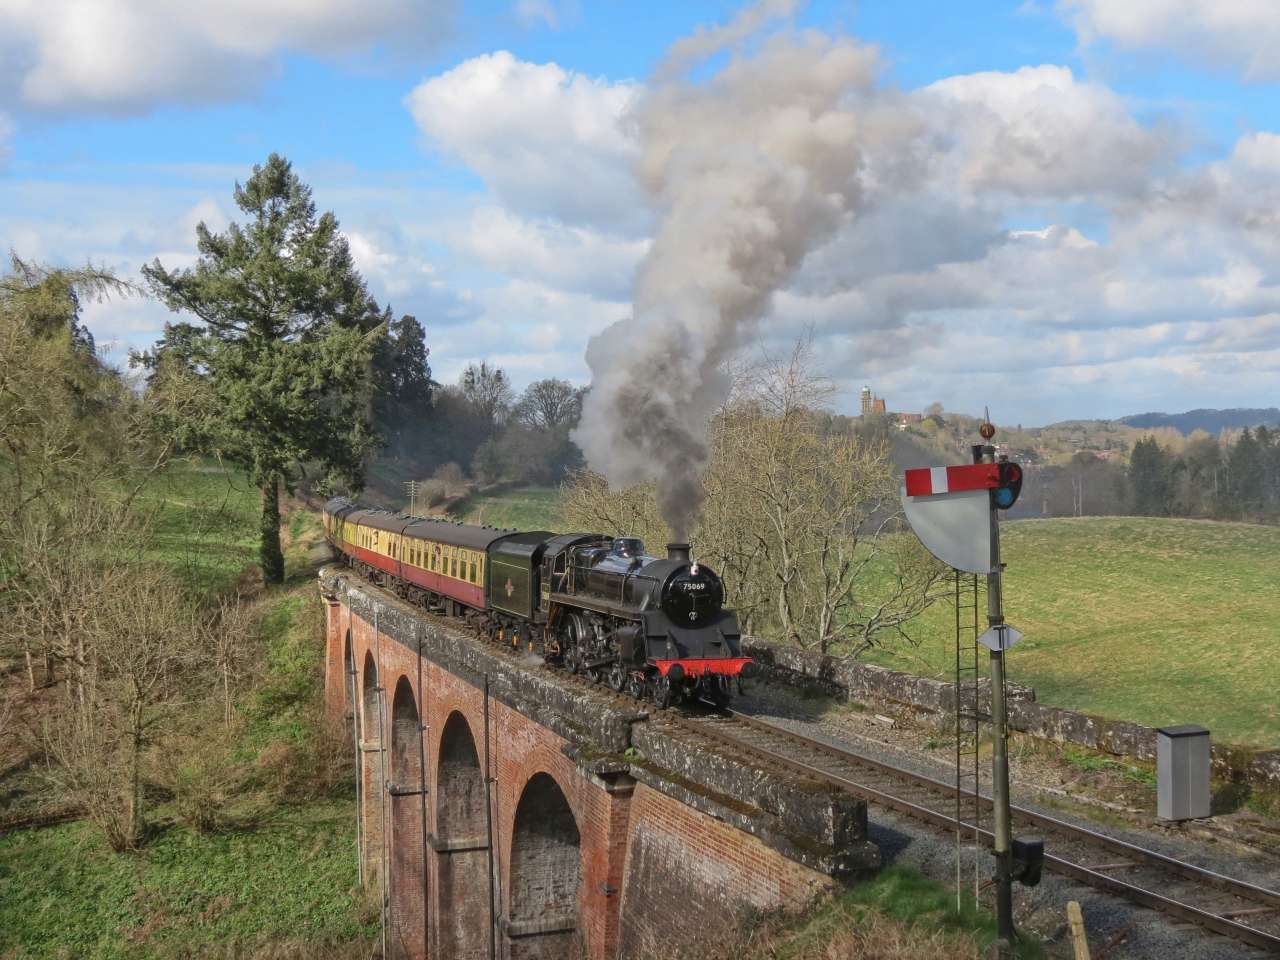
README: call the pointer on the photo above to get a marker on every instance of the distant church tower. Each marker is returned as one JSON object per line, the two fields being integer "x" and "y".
{"x": 866, "y": 401}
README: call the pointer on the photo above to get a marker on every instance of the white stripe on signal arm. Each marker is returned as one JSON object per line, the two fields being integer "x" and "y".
{"x": 938, "y": 479}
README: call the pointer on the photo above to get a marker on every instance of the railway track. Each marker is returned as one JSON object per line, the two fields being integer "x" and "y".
{"x": 1243, "y": 911}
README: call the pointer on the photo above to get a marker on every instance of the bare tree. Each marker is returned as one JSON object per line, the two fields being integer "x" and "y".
{"x": 589, "y": 503}
{"x": 77, "y": 445}
{"x": 487, "y": 389}
{"x": 141, "y": 641}
{"x": 227, "y": 634}
{"x": 550, "y": 404}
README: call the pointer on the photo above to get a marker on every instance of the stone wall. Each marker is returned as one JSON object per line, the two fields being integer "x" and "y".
{"x": 852, "y": 680}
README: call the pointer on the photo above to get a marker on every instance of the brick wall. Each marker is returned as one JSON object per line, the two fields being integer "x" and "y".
{"x": 689, "y": 877}
{"x": 581, "y": 856}
{"x": 461, "y": 846}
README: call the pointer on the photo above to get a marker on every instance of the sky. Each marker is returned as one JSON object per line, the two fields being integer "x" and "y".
{"x": 1055, "y": 209}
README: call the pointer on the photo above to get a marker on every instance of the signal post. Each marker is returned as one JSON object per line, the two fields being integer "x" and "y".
{"x": 955, "y": 511}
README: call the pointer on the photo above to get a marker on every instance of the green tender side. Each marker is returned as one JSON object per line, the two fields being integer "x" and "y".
{"x": 511, "y": 584}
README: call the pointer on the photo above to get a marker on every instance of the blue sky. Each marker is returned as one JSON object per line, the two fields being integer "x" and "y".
{"x": 1087, "y": 235}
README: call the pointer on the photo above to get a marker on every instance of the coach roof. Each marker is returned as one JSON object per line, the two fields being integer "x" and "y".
{"x": 426, "y": 528}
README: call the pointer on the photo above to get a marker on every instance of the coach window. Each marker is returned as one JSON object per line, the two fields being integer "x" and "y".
{"x": 473, "y": 572}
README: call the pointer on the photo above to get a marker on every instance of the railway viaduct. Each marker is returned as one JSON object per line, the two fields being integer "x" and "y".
{"x": 510, "y": 811}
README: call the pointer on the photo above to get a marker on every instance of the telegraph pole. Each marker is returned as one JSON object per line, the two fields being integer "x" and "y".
{"x": 412, "y": 487}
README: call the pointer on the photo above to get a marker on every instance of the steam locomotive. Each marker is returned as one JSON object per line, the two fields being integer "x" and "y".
{"x": 654, "y": 628}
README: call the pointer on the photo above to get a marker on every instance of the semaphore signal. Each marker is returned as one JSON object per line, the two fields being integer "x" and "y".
{"x": 955, "y": 511}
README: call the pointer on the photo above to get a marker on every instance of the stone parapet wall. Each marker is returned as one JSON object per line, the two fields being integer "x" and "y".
{"x": 852, "y": 680}
{"x": 818, "y": 826}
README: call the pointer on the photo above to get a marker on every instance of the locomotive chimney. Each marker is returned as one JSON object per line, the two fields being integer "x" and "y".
{"x": 679, "y": 552}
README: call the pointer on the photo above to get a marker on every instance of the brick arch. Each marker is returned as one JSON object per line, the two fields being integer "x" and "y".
{"x": 546, "y": 874}
{"x": 462, "y": 850}
{"x": 371, "y": 766}
{"x": 408, "y": 826}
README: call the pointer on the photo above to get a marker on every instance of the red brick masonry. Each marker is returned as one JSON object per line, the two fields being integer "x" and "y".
{"x": 585, "y": 861}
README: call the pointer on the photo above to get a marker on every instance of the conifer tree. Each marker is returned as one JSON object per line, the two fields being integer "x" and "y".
{"x": 285, "y": 337}
{"x": 1247, "y": 464}
{"x": 1150, "y": 478}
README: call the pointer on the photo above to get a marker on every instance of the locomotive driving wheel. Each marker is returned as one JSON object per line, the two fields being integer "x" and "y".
{"x": 635, "y": 684}
{"x": 718, "y": 692}
{"x": 617, "y": 676}
{"x": 662, "y": 692}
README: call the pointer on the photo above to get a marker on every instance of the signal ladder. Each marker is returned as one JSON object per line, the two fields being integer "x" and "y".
{"x": 969, "y": 717}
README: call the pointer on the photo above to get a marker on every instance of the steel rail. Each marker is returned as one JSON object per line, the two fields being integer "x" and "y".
{"x": 1066, "y": 867}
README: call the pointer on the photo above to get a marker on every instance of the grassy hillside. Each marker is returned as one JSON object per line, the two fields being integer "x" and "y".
{"x": 1156, "y": 621}
{"x": 206, "y": 522}
{"x": 524, "y": 508}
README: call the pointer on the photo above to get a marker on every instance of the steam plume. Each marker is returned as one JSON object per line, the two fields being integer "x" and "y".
{"x": 751, "y": 170}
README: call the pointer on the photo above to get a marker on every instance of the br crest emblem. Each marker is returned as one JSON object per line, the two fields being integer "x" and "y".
{"x": 509, "y": 587}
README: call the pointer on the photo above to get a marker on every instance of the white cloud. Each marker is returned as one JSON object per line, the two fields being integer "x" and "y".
{"x": 545, "y": 13}
{"x": 399, "y": 276}
{"x": 548, "y": 142}
{"x": 576, "y": 259}
{"x": 129, "y": 55}
{"x": 1141, "y": 279}
{"x": 1039, "y": 132}
{"x": 530, "y": 329}
{"x": 1238, "y": 35}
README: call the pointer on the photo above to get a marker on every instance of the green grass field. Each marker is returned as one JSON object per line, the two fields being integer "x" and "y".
{"x": 524, "y": 508}
{"x": 286, "y": 877}
{"x": 1151, "y": 620}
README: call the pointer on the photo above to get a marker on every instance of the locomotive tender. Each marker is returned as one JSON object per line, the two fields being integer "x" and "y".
{"x": 654, "y": 628}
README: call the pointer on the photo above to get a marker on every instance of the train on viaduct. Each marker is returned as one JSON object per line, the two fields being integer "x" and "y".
{"x": 507, "y": 810}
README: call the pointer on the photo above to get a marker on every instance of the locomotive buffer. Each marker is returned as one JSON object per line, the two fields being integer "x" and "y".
{"x": 955, "y": 513}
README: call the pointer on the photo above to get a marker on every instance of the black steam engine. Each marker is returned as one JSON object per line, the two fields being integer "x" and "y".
{"x": 650, "y": 627}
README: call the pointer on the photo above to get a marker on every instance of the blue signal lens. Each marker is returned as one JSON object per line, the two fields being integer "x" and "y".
{"x": 1004, "y": 498}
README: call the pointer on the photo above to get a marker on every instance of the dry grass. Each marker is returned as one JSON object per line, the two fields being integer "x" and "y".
{"x": 872, "y": 937}
{"x": 897, "y": 915}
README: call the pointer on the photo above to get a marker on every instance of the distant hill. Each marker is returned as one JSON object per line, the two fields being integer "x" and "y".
{"x": 1211, "y": 421}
